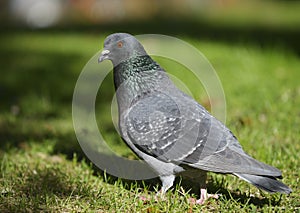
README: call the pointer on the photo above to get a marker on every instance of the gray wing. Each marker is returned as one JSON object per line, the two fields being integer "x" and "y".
{"x": 179, "y": 130}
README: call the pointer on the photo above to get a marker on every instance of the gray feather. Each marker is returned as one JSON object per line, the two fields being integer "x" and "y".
{"x": 267, "y": 183}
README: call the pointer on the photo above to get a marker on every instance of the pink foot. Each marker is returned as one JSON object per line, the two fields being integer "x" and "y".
{"x": 144, "y": 198}
{"x": 203, "y": 197}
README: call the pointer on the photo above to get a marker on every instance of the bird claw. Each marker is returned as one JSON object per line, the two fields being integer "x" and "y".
{"x": 203, "y": 197}
{"x": 144, "y": 198}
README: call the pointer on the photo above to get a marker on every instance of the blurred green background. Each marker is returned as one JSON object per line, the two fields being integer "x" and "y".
{"x": 253, "y": 45}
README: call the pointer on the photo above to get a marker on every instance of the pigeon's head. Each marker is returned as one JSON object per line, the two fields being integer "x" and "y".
{"x": 121, "y": 46}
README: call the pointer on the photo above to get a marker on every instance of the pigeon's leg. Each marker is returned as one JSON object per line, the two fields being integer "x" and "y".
{"x": 167, "y": 182}
{"x": 203, "y": 197}
{"x": 203, "y": 192}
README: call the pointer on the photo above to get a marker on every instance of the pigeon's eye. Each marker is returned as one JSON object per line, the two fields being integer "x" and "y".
{"x": 120, "y": 44}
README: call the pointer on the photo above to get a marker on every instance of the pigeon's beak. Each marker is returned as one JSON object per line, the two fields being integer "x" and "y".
{"x": 103, "y": 56}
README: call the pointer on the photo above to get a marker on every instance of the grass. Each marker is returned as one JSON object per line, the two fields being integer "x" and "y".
{"x": 42, "y": 167}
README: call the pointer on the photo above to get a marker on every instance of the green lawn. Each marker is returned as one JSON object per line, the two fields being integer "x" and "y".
{"x": 42, "y": 167}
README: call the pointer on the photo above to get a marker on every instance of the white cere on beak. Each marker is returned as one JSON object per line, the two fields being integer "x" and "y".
{"x": 103, "y": 56}
{"x": 105, "y": 52}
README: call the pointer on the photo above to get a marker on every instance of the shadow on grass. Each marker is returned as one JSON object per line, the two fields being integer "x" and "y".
{"x": 41, "y": 74}
{"x": 219, "y": 187}
{"x": 192, "y": 187}
{"x": 38, "y": 191}
{"x": 36, "y": 88}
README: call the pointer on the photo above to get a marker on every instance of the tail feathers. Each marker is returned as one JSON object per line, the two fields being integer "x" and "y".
{"x": 267, "y": 183}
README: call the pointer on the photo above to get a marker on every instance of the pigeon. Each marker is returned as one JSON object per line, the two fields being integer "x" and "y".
{"x": 172, "y": 132}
